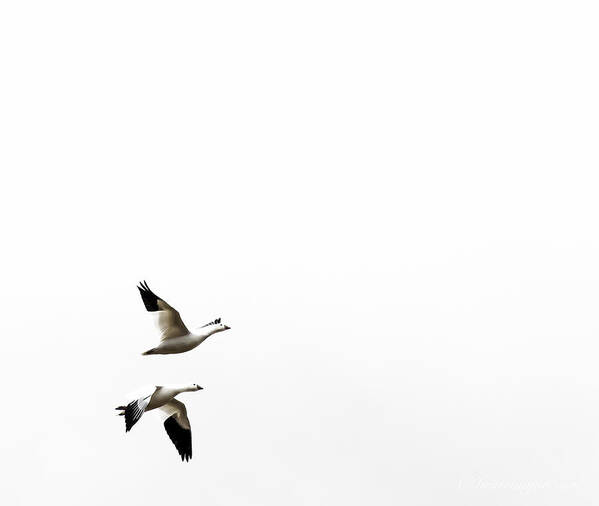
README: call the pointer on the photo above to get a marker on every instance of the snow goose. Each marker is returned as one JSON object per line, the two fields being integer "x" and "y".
{"x": 176, "y": 424}
{"x": 174, "y": 335}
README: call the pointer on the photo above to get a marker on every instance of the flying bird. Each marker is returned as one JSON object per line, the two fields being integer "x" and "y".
{"x": 174, "y": 335}
{"x": 176, "y": 423}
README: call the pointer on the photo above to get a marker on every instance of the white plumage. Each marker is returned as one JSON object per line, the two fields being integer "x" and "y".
{"x": 175, "y": 337}
{"x": 176, "y": 424}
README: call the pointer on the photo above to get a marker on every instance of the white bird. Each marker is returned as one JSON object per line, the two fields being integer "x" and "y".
{"x": 176, "y": 424}
{"x": 174, "y": 335}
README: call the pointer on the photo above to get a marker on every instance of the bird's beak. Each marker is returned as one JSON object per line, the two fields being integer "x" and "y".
{"x": 200, "y": 388}
{"x": 227, "y": 327}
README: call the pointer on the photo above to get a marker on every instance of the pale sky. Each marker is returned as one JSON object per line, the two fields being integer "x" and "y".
{"x": 394, "y": 205}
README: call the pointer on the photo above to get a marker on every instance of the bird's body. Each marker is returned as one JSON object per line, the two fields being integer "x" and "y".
{"x": 161, "y": 396}
{"x": 180, "y": 344}
{"x": 176, "y": 424}
{"x": 175, "y": 337}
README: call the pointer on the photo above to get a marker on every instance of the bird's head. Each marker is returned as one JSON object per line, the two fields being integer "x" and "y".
{"x": 220, "y": 327}
{"x": 197, "y": 387}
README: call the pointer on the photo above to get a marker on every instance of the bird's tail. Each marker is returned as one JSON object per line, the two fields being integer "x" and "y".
{"x": 149, "y": 352}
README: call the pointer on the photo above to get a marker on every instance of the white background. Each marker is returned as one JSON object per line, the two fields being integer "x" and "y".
{"x": 393, "y": 205}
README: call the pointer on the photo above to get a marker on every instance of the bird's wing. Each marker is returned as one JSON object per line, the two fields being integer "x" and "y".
{"x": 213, "y": 322}
{"x": 178, "y": 428}
{"x": 133, "y": 411}
{"x": 168, "y": 320}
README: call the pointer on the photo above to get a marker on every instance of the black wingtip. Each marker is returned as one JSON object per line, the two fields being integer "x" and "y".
{"x": 149, "y": 298}
{"x": 180, "y": 437}
{"x": 133, "y": 413}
